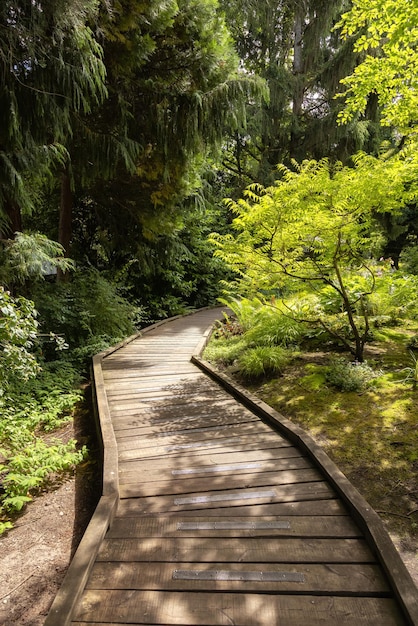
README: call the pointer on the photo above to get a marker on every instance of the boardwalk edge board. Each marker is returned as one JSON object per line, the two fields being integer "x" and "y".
{"x": 365, "y": 516}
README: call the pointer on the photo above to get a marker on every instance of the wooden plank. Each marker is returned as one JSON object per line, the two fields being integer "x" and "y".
{"x": 149, "y": 417}
{"x": 152, "y": 416}
{"x": 165, "y": 395}
{"x": 344, "y": 580}
{"x": 212, "y": 483}
{"x": 295, "y": 526}
{"x": 167, "y": 400}
{"x": 188, "y": 442}
{"x": 225, "y": 609}
{"x": 139, "y": 365}
{"x": 240, "y": 423}
{"x": 241, "y": 497}
{"x": 133, "y": 507}
{"x": 236, "y": 550}
{"x": 153, "y": 377}
{"x": 226, "y": 444}
{"x": 150, "y": 473}
{"x": 209, "y": 458}
{"x": 194, "y": 432}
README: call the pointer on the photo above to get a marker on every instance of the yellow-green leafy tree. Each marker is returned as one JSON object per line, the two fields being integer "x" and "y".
{"x": 314, "y": 230}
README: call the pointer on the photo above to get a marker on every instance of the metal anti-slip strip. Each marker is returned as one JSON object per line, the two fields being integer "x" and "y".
{"x": 220, "y": 498}
{"x": 233, "y": 525}
{"x": 203, "y": 444}
{"x": 188, "y": 431}
{"x": 216, "y": 468}
{"x": 285, "y": 577}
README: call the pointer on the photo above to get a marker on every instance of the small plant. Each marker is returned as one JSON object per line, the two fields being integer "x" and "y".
{"x": 244, "y": 309}
{"x": 262, "y": 361}
{"x": 273, "y": 327}
{"x": 228, "y": 327}
{"x": 30, "y": 457}
{"x": 412, "y": 371}
{"x": 225, "y": 351}
{"x": 349, "y": 376}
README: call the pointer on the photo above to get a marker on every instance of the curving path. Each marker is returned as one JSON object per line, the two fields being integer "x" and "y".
{"x": 218, "y": 511}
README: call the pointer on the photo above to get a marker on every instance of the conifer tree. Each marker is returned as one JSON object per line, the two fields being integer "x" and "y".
{"x": 295, "y": 47}
{"x": 50, "y": 67}
{"x": 174, "y": 90}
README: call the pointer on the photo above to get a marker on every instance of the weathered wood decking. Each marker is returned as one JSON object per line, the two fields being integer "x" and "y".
{"x": 217, "y": 511}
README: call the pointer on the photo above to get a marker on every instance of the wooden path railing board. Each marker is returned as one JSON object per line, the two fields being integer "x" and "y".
{"x": 221, "y": 519}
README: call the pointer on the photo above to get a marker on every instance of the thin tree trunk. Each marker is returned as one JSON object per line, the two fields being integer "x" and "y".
{"x": 14, "y": 220}
{"x": 298, "y": 67}
{"x": 65, "y": 229}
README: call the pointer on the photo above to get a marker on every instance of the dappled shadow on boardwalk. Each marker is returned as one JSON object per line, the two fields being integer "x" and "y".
{"x": 221, "y": 520}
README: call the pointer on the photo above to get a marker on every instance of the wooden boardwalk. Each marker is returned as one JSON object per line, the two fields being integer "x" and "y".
{"x": 217, "y": 511}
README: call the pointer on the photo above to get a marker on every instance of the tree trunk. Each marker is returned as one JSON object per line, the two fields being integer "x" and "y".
{"x": 65, "y": 229}
{"x": 13, "y": 220}
{"x": 298, "y": 87}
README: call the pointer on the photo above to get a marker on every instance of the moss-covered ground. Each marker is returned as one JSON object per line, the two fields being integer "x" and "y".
{"x": 372, "y": 435}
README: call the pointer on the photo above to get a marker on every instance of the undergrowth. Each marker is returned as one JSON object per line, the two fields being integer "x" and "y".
{"x": 30, "y": 456}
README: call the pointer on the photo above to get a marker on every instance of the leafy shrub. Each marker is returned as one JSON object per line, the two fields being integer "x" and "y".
{"x": 394, "y": 298}
{"x": 262, "y": 361}
{"x": 18, "y": 327}
{"x": 81, "y": 357}
{"x": 244, "y": 309}
{"x": 29, "y": 460}
{"x": 349, "y": 376}
{"x": 87, "y": 307}
{"x": 31, "y": 467}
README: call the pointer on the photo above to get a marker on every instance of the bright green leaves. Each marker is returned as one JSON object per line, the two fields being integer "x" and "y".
{"x": 314, "y": 229}
{"x": 390, "y": 67}
{"x": 17, "y": 333}
{"x": 313, "y": 216}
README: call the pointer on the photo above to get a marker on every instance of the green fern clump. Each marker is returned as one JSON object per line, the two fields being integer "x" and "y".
{"x": 263, "y": 361}
{"x": 225, "y": 350}
{"x": 244, "y": 309}
{"x": 274, "y": 328}
{"x": 30, "y": 457}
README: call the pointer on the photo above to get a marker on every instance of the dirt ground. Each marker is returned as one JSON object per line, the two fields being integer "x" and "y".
{"x": 35, "y": 554}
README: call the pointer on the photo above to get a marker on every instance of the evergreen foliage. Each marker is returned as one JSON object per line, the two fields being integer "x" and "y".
{"x": 50, "y": 66}
{"x": 296, "y": 48}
